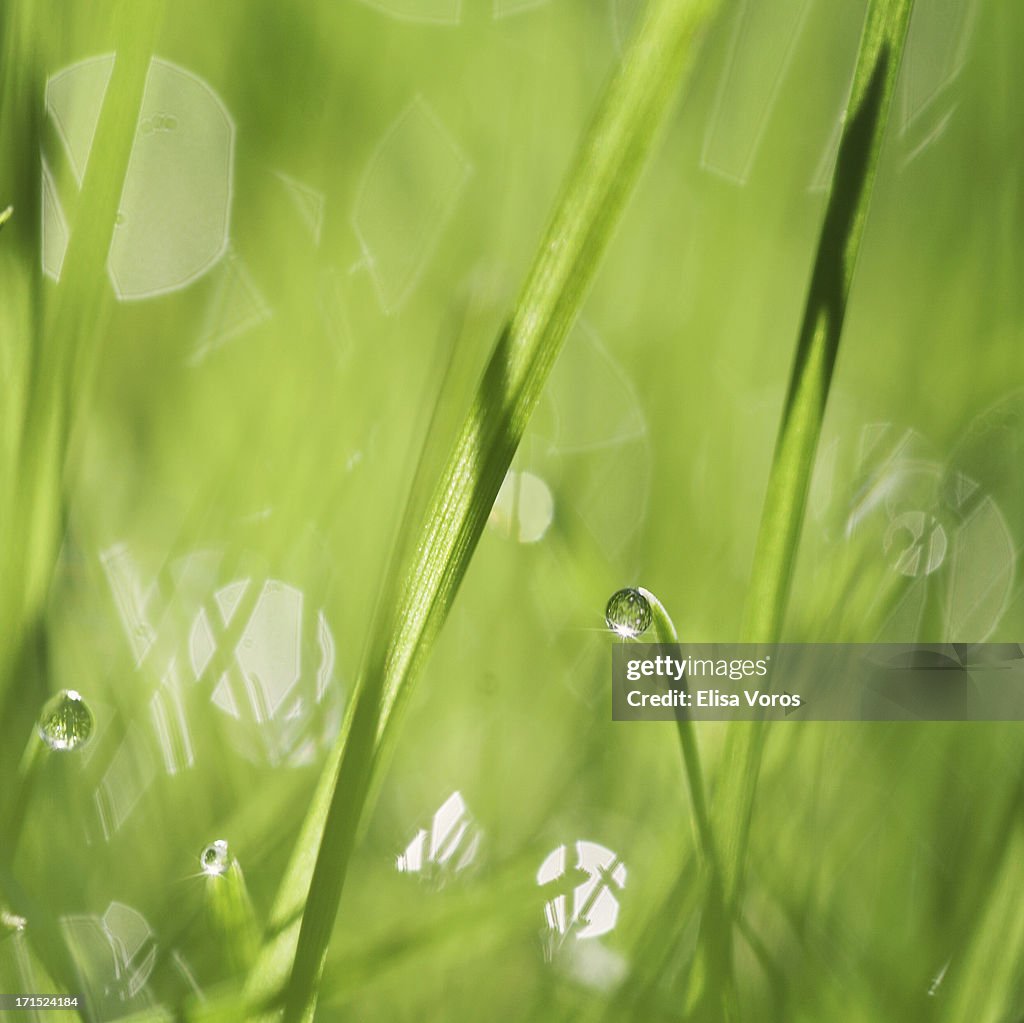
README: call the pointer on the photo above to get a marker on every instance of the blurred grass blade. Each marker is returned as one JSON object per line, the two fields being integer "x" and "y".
{"x": 982, "y": 970}
{"x": 69, "y": 329}
{"x": 864, "y": 124}
{"x": 607, "y": 166}
{"x": 57, "y": 339}
{"x": 233, "y": 917}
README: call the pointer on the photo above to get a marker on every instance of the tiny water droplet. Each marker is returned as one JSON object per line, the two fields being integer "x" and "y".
{"x": 628, "y": 614}
{"x": 214, "y": 859}
{"x": 66, "y": 721}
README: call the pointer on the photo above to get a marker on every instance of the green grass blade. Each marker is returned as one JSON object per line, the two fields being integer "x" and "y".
{"x": 865, "y": 120}
{"x": 981, "y": 971}
{"x": 711, "y": 988}
{"x": 608, "y": 164}
{"x": 70, "y": 327}
{"x": 665, "y": 632}
{"x": 233, "y": 917}
{"x": 56, "y": 337}
{"x": 867, "y": 114}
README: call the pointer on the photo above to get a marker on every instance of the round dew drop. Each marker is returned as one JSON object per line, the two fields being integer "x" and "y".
{"x": 66, "y": 722}
{"x": 628, "y": 613}
{"x": 214, "y": 859}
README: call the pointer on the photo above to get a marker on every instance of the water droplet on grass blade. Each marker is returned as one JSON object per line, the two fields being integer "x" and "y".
{"x": 628, "y": 614}
{"x": 66, "y": 721}
{"x": 230, "y": 911}
{"x": 214, "y": 859}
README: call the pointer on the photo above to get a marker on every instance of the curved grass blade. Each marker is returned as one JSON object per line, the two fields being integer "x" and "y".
{"x": 612, "y": 154}
{"x": 665, "y": 632}
{"x": 711, "y": 983}
{"x": 865, "y": 120}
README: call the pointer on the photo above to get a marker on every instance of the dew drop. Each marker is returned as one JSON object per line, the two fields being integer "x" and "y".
{"x": 628, "y": 614}
{"x": 66, "y": 722}
{"x": 214, "y": 859}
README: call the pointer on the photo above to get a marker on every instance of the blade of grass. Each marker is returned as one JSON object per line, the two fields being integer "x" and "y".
{"x": 610, "y": 159}
{"x": 61, "y": 335}
{"x": 665, "y": 632}
{"x": 65, "y": 330}
{"x": 865, "y": 120}
{"x": 68, "y": 327}
{"x": 981, "y": 972}
{"x": 233, "y": 917}
{"x": 71, "y": 324}
{"x": 711, "y": 989}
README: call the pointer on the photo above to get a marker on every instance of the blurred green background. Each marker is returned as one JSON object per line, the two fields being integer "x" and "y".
{"x": 326, "y": 217}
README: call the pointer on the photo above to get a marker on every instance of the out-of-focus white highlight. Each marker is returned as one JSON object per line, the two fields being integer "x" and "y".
{"x": 523, "y": 509}
{"x": 594, "y": 909}
{"x": 452, "y": 841}
{"x": 173, "y": 221}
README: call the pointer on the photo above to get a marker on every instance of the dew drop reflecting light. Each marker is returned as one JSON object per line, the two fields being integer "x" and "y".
{"x": 214, "y": 859}
{"x": 66, "y": 722}
{"x": 628, "y": 614}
